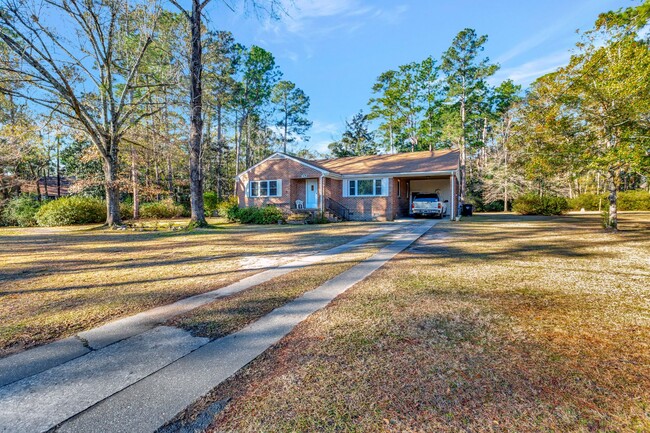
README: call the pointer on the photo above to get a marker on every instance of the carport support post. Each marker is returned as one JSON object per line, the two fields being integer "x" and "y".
{"x": 453, "y": 198}
{"x": 321, "y": 187}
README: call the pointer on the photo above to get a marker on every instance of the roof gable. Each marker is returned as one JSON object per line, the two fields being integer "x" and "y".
{"x": 280, "y": 155}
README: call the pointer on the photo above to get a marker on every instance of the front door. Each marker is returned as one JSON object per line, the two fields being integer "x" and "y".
{"x": 311, "y": 195}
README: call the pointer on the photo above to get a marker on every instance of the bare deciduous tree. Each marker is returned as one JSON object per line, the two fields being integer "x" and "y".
{"x": 193, "y": 16}
{"x": 86, "y": 70}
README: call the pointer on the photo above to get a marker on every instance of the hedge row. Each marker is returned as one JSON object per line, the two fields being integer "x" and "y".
{"x": 26, "y": 210}
{"x": 636, "y": 200}
{"x": 533, "y": 204}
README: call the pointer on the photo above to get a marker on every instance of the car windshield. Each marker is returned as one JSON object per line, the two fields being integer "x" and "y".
{"x": 427, "y": 198}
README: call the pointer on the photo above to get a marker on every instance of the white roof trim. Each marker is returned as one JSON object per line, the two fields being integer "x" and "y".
{"x": 402, "y": 174}
{"x": 351, "y": 176}
{"x": 284, "y": 155}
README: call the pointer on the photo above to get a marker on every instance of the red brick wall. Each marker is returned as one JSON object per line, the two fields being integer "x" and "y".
{"x": 276, "y": 168}
{"x": 362, "y": 208}
{"x": 293, "y": 175}
{"x": 401, "y": 204}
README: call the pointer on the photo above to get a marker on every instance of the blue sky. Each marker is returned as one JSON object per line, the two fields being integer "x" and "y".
{"x": 335, "y": 49}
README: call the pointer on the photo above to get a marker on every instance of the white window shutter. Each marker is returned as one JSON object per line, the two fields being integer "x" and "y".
{"x": 346, "y": 188}
{"x": 279, "y": 188}
{"x": 384, "y": 186}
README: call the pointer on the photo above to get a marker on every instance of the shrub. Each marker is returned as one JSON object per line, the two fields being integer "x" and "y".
{"x": 587, "y": 201}
{"x": 229, "y": 208}
{"x": 71, "y": 210}
{"x": 21, "y": 211}
{"x": 247, "y": 215}
{"x": 532, "y": 204}
{"x": 161, "y": 209}
{"x": 126, "y": 210}
{"x": 633, "y": 200}
{"x": 259, "y": 215}
{"x": 210, "y": 202}
{"x": 493, "y": 206}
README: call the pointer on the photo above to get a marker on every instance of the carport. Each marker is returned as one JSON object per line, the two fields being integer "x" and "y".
{"x": 445, "y": 185}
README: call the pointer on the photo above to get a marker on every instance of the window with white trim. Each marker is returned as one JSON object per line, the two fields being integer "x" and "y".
{"x": 365, "y": 187}
{"x": 265, "y": 188}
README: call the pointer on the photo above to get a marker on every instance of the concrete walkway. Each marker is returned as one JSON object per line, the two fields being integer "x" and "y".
{"x": 144, "y": 380}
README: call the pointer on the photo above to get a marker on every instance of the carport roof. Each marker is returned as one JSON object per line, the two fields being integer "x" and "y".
{"x": 408, "y": 162}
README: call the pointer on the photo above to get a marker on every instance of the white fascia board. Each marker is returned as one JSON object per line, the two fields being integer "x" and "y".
{"x": 406, "y": 174}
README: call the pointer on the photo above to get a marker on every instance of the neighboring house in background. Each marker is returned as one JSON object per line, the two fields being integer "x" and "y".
{"x": 374, "y": 187}
{"x": 47, "y": 187}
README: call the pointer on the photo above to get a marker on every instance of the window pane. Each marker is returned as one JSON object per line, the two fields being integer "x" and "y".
{"x": 364, "y": 187}
{"x": 353, "y": 189}
{"x": 255, "y": 189}
{"x": 273, "y": 188}
{"x": 264, "y": 188}
{"x": 377, "y": 186}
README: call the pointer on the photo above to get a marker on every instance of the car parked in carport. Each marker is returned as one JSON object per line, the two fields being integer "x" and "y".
{"x": 428, "y": 204}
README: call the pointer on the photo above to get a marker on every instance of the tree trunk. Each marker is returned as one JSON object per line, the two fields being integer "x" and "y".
{"x": 58, "y": 167}
{"x": 612, "y": 217}
{"x": 286, "y": 121}
{"x": 134, "y": 184}
{"x": 196, "y": 118}
{"x": 47, "y": 194}
{"x": 38, "y": 189}
{"x": 238, "y": 128}
{"x": 505, "y": 179}
{"x": 112, "y": 191}
{"x": 219, "y": 151}
{"x": 248, "y": 142}
{"x": 170, "y": 176}
{"x": 463, "y": 153}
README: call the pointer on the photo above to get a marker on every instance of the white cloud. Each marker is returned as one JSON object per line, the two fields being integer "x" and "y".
{"x": 319, "y": 146}
{"x": 291, "y": 55}
{"x": 527, "y": 72}
{"x": 567, "y": 19}
{"x": 301, "y": 13}
{"x": 319, "y": 127}
{"x": 321, "y": 18}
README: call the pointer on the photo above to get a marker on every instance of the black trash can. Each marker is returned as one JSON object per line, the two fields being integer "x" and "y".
{"x": 467, "y": 209}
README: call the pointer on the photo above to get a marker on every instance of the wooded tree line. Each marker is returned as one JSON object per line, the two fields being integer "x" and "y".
{"x": 134, "y": 99}
{"x": 138, "y": 100}
{"x": 583, "y": 128}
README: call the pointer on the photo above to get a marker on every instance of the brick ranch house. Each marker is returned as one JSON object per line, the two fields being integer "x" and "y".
{"x": 374, "y": 187}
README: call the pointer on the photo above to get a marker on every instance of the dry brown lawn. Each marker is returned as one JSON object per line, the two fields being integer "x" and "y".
{"x": 56, "y": 282}
{"x": 494, "y": 324}
{"x": 230, "y": 314}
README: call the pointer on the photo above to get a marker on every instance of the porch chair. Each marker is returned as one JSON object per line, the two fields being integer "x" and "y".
{"x": 300, "y": 204}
